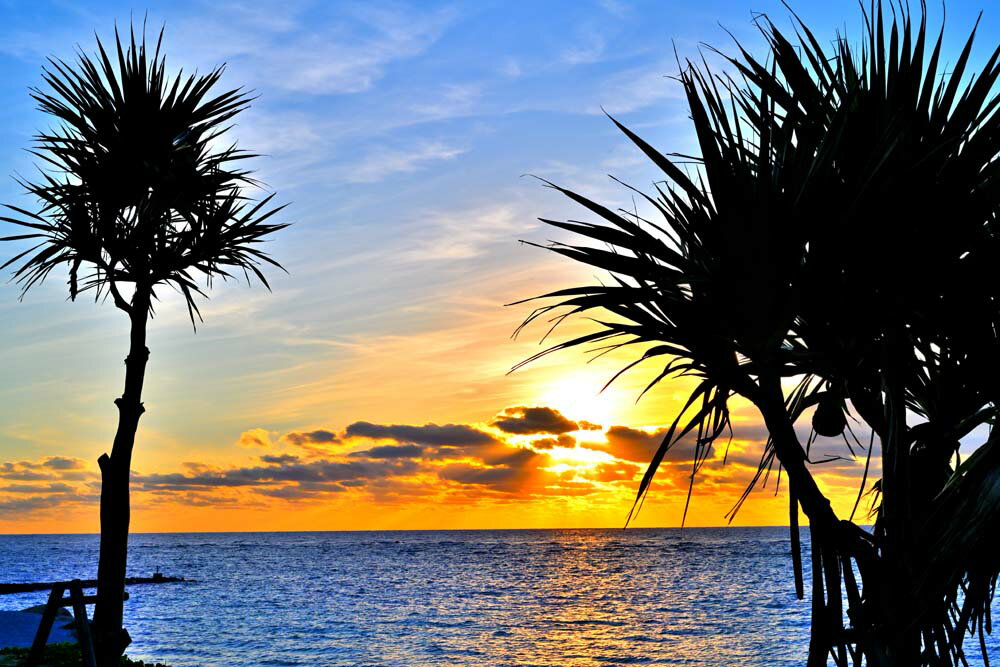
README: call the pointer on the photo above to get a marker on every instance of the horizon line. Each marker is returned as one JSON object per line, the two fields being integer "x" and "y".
{"x": 398, "y": 530}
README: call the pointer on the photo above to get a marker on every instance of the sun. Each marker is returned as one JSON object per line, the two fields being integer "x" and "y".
{"x": 576, "y": 458}
{"x": 578, "y": 396}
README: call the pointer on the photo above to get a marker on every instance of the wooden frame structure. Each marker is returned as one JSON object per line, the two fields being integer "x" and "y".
{"x": 78, "y": 601}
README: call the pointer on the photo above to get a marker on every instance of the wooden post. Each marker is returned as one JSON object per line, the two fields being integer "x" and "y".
{"x": 82, "y": 624}
{"x": 84, "y": 639}
{"x": 45, "y": 626}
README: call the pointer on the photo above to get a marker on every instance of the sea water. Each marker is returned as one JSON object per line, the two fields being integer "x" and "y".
{"x": 566, "y": 598}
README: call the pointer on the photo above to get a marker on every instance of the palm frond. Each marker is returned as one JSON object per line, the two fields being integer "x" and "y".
{"x": 137, "y": 185}
{"x": 839, "y": 228}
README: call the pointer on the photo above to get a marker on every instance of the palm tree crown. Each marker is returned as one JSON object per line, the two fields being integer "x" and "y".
{"x": 840, "y": 230}
{"x": 138, "y": 188}
{"x": 141, "y": 188}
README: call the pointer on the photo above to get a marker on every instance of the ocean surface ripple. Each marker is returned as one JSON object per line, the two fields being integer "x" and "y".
{"x": 566, "y": 598}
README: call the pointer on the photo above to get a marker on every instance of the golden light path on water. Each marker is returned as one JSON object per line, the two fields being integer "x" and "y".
{"x": 553, "y": 598}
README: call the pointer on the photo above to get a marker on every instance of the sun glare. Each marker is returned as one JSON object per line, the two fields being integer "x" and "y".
{"x": 573, "y": 458}
{"x": 578, "y": 396}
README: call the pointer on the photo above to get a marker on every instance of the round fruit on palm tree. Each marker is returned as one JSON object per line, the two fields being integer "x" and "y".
{"x": 881, "y": 179}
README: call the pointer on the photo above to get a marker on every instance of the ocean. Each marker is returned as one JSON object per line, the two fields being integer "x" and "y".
{"x": 567, "y": 598}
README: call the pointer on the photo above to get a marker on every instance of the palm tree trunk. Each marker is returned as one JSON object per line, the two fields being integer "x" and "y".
{"x": 904, "y": 643}
{"x": 831, "y": 538}
{"x": 111, "y": 638}
{"x": 771, "y": 404}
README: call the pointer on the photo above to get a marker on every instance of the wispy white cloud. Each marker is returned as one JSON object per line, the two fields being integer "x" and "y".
{"x": 615, "y": 8}
{"x": 450, "y": 100}
{"x": 589, "y": 48}
{"x": 510, "y": 67}
{"x": 468, "y": 233}
{"x": 382, "y": 162}
{"x": 265, "y": 15}
{"x": 305, "y": 149}
{"x": 278, "y": 133}
{"x": 307, "y": 53}
{"x": 637, "y": 88}
{"x": 624, "y": 156}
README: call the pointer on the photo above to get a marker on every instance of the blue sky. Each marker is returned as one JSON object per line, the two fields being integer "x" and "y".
{"x": 399, "y": 133}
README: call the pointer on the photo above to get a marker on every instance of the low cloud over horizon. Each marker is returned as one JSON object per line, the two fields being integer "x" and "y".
{"x": 522, "y": 454}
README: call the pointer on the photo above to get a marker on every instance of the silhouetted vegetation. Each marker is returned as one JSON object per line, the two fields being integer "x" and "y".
{"x": 61, "y": 655}
{"x": 139, "y": 192}
{"x": 833, "y": 252}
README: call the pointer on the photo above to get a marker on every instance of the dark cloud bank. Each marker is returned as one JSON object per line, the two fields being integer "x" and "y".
{"x": 402, "y": 461}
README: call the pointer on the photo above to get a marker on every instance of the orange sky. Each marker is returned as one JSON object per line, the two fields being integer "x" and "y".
{"x": 421, "y": 428}
{"x": 553, "y": 452}
{"x": 369, "y": 389}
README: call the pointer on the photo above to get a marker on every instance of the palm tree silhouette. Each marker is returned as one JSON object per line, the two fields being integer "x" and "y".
{"x": 140, "y": 194}
{"x": 838, "y": 234}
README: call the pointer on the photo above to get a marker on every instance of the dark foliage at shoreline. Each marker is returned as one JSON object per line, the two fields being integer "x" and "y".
{"x": 61, "y": 655}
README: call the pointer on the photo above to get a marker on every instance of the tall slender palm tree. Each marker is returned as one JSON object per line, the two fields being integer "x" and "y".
{"x": 839, "y": 231}
{"x": 140, "y": 193}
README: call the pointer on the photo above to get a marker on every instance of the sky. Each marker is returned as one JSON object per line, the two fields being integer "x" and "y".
{"x": 369, "y": 389}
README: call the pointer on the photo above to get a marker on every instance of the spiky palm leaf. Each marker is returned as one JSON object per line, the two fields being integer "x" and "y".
{"x": 907, "y": 151}
{"x": 135, "y": 190}
{"x": 866, "y": 193}
{"x": 135, "y": 187}
{"x": 690, "y": 289}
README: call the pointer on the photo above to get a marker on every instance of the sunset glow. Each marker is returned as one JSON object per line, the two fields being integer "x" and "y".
{"x": 370, "y": 389}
